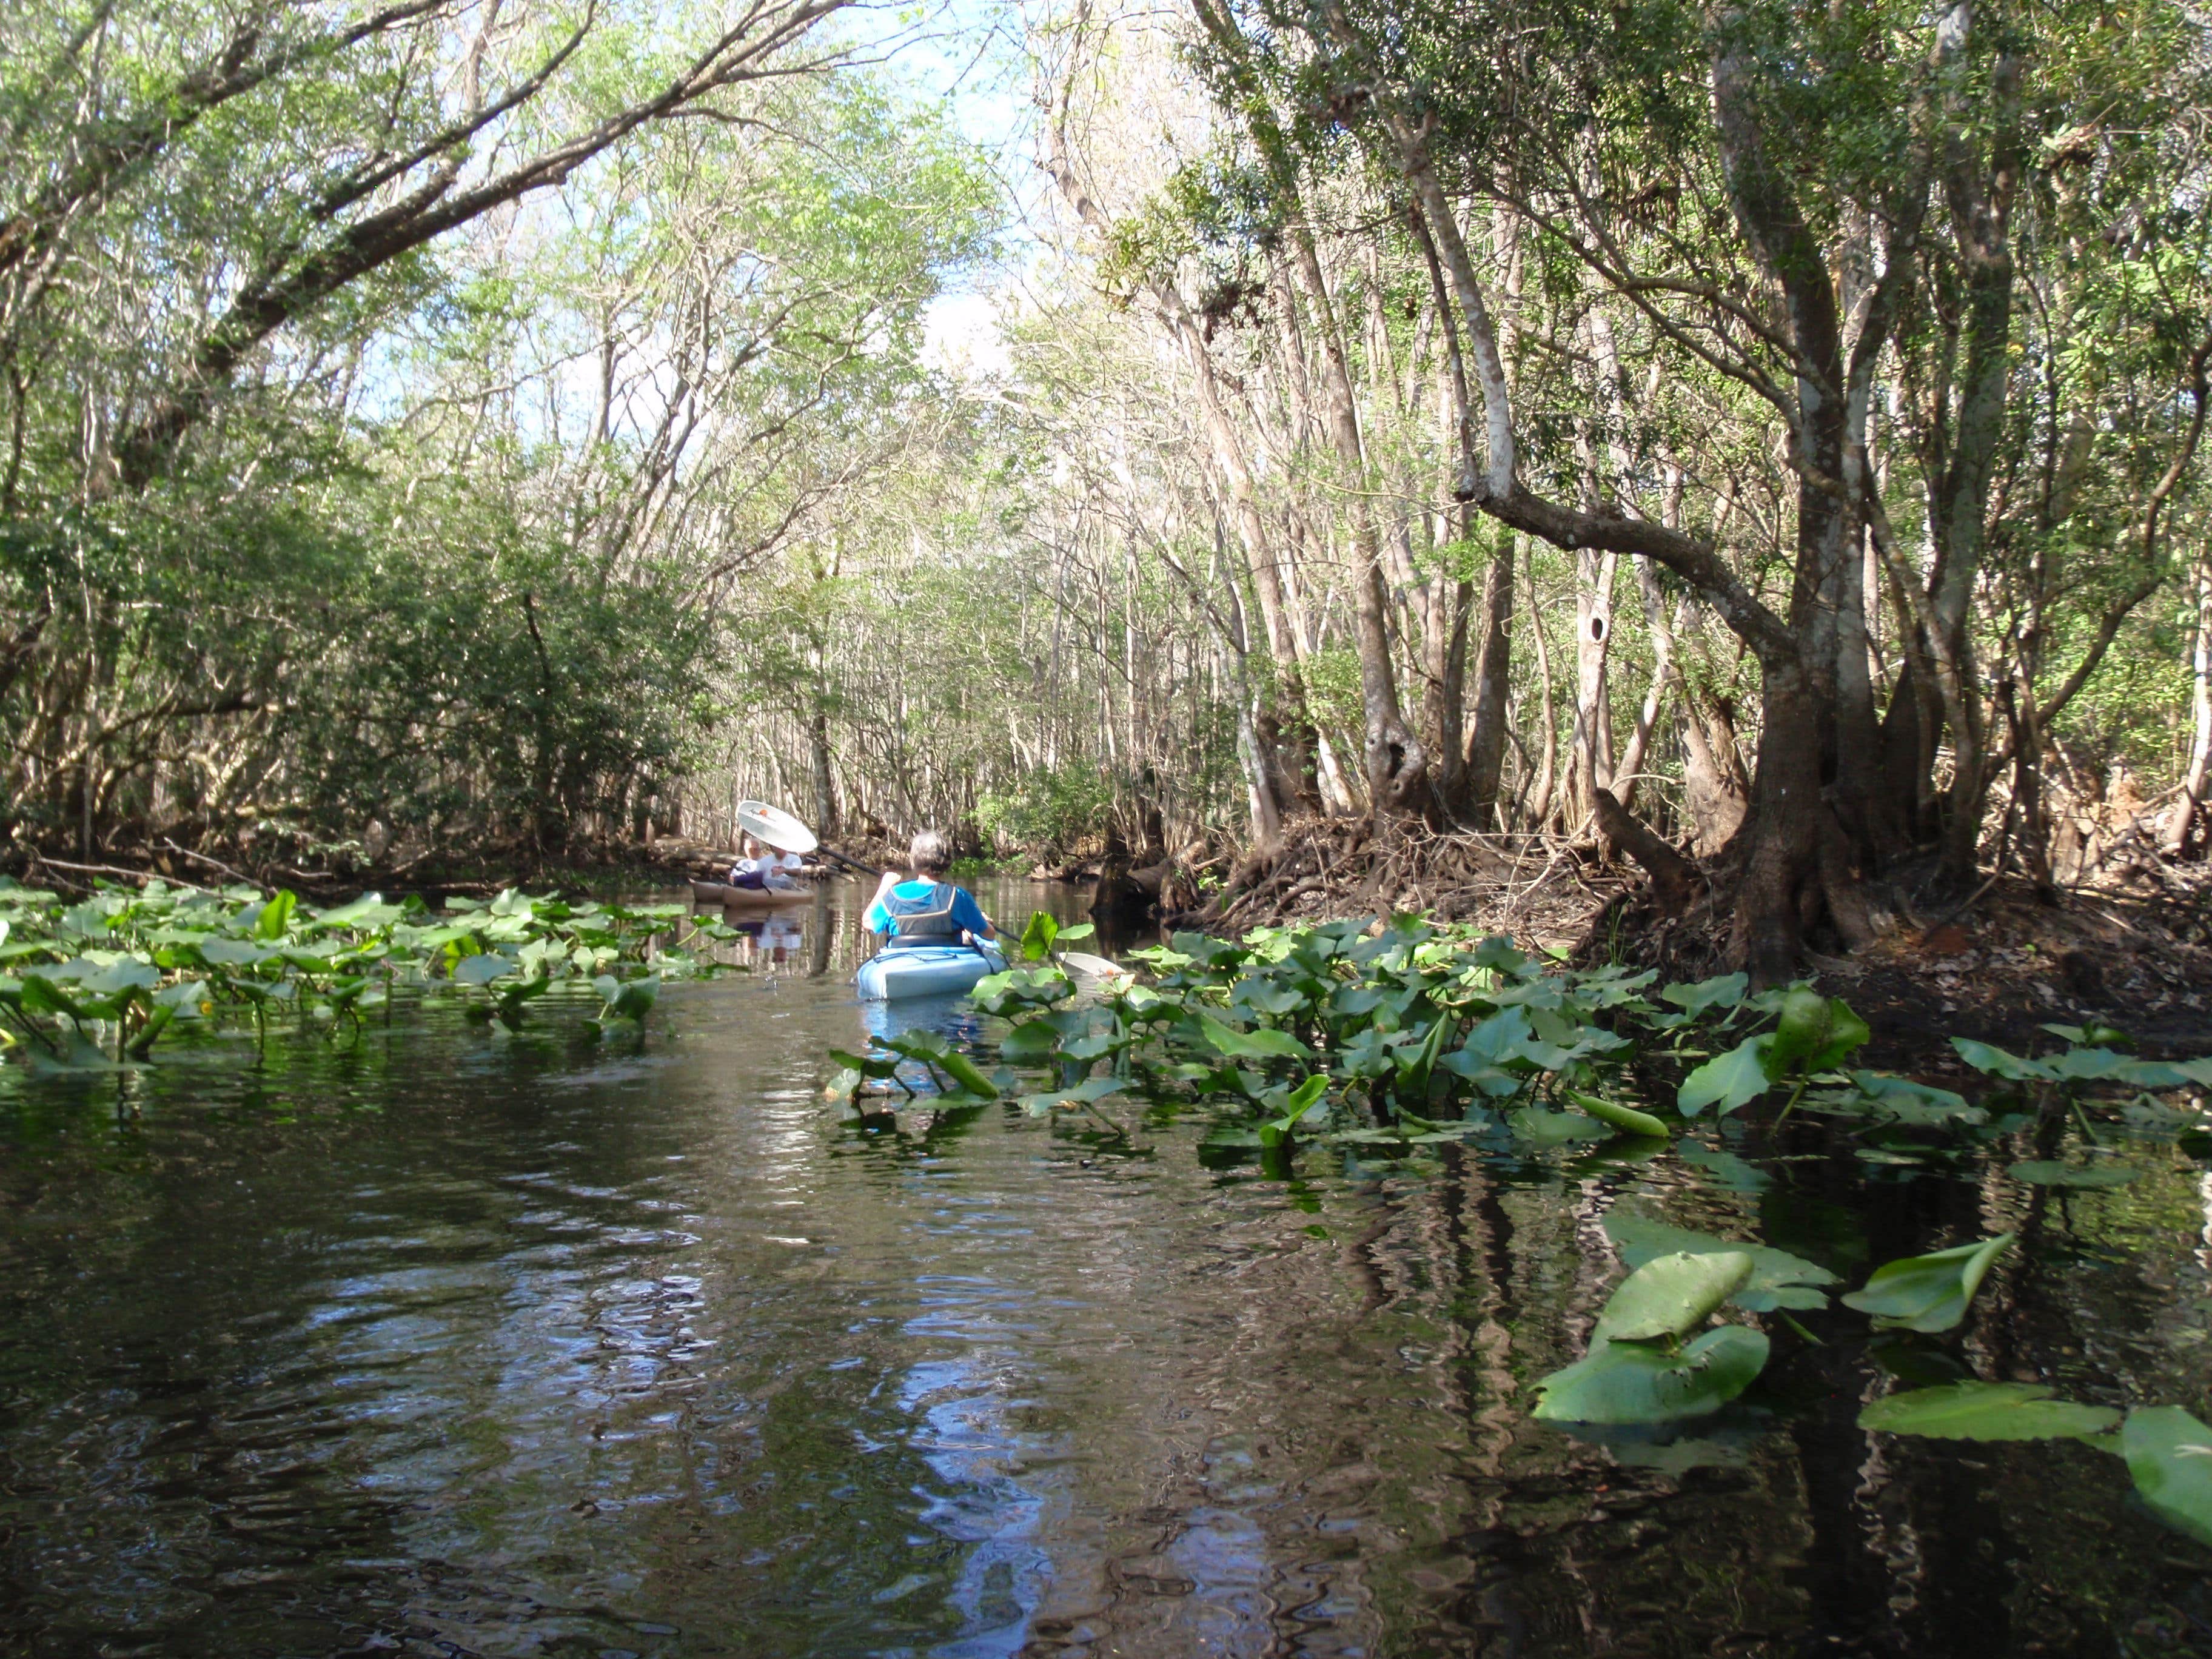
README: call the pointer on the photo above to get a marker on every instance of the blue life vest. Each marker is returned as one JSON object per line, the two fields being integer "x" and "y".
{"x": 924, "y": 921}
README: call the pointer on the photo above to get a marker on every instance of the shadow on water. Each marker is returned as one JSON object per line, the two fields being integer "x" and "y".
{"x": 436, "y": 1344}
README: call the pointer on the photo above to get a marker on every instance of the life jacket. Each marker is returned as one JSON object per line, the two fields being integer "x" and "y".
{"x": 924, "y": 921}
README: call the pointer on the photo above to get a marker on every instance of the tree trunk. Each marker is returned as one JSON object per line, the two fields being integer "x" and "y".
{"x": 1592, "y": 760}
{"x": 1539, "y": 803}
{"x": 1493, "y": 684}
{"x": 825, "y": 782}
{"x": 2183, "y": 822}
{"x": 1281, "y": 726}
{"x": 1397, "y": 766}
{"x": 1624, "y": 777}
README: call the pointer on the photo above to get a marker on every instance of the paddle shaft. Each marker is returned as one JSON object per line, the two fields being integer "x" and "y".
{"x": 854, "y": 864}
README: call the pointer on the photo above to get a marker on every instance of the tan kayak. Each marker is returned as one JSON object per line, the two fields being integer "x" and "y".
{"x": 749, "y": 898}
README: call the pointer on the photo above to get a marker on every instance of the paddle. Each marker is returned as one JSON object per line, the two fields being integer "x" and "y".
{"x": 1090, "y": 966}
{"x": 779, "y": 830}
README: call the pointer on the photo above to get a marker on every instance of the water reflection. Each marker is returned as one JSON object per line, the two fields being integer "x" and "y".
{"x": 440, "y": 1344}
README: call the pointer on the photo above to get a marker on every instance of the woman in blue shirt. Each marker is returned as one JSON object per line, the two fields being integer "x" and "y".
{"x": 925, "y": 908}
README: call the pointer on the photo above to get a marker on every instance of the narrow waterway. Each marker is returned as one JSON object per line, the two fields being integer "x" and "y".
{"x": 427, "y": 1343}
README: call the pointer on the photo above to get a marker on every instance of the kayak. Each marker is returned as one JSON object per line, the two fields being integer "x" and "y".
{"x": 749, "y": 898}
{"x": 927, "y": 970}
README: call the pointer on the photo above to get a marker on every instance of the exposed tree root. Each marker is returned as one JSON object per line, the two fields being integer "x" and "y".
{"x": 1541, "y": 889}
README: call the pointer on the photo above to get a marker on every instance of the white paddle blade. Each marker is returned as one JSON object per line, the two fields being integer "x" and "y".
{"x": 775, "y": 826}
{"x": 1090, "y": 966}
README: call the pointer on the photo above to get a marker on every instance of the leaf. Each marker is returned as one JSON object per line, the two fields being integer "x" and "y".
{"x": 1081, "y": 930}
{"x": 1728, "y": 1081}
{"x": 2169, "y": 1453}
{"x": 1986, "y": 1411}
{"x": 1813, "y": 1034}
{"x": 1694, "y": 999}
{"x": 1621, "y": 1117}
{"x": 1631, "y": 1383}
{"x": 1671, "y": 1296}
{"x": 1081, "y": 1094}
{"x": 276, "y": 915}
{"x": 127, "y": 974}
{"x": 1260, "y": 1043}
{"x": 1031, "y": 1043}
{"x": 965, "y": 1073}
{"x": 231, "y": 953}
{"x": 1555, "y": 1128}
{"x": 1918, "y": 1103}
{"x": 1302, "y": 1099}
{"x": 2040, "y": 1172}
{"x": 482, "y": 969}
{"x": 1777, "y": 1280}
{"x": 866, "y": 1066}
{"x": 626, "y": 999}
{"x": 1037, "y": 936}
{"x": 40, "y": 995}
{"x": 1927, "y": 1292}
{"x": 1993, "y": 1061}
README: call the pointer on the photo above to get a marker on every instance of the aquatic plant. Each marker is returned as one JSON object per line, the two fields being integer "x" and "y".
{"x": 1423, "y": 1033}
{"x": 94, "y": 984}
{"x": 1392, "y": 1037}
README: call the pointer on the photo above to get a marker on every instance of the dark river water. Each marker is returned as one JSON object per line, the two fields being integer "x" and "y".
{"x": 434, "y": 1345}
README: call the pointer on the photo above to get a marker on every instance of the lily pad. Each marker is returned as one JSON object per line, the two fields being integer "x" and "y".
{"x": 1728, "y": 1081}
{"x": 1927, "y": 1292}
{"x": 1815, "y": 1034}
{"x": 1030, "y": 1043}
{"x": 1631, "y": 1383}
{"x": 1671, "y": 1296}
{"x": 1994, "y": 1061}
{"x": 2169, "y": 1453}
{"x": 1777, "y": 1280}
{"x": 1263, "y": 1043}
{"x": 1555, "y": 1128}
{"x": 482, "y": 969}
{"x": 1986, "y": 1411}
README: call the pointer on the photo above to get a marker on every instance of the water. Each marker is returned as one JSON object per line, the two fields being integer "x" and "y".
{"x": 443, "y": 1345}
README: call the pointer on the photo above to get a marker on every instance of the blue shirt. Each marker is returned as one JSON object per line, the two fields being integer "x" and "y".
{"x": 966, "y": 913}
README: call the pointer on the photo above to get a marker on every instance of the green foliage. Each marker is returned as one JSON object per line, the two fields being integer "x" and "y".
{"x": 2169, "y": 1453}
{"x": 1986, "y": 1411}
{"x": 1776, "y": 1278}
{"x": 1054, "y": 811}
{"x": 1927, "y": 1292}
{"x": 1640, "y": 1368}
{"x": 129, "y": 967}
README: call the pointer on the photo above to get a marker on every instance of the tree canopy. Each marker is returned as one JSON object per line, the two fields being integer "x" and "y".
{"x": 1744, "y": 432}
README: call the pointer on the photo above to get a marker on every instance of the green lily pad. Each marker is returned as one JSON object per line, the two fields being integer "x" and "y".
{"x": 1030, "y": 1043}
{"x": 1263, "y": 1043}
{"x": 1815, "y": 1034}
{"x": 1632, "y": 1383}
{"x": 2169, "y": 1453}
{"x": 1986, "y": 1411}
{"x": 1927, "y": 1292}
{"x": 1994, "y": 1061}
{"x": 1728, "y": 1081}
{"x": 1777, "y": 1280}
{"x": 1555, "y": 1128}
{"x": 1671, "y": 1296}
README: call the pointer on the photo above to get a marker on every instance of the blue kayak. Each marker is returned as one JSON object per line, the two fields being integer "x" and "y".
{"x": 926, "y": 970}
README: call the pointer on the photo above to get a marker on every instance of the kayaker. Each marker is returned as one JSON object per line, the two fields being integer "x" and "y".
{"x": 760, "y": 868}
{"x": 923, "y": 907}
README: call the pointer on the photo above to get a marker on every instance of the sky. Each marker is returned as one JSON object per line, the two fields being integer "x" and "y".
{"x": 970, "y": 54}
